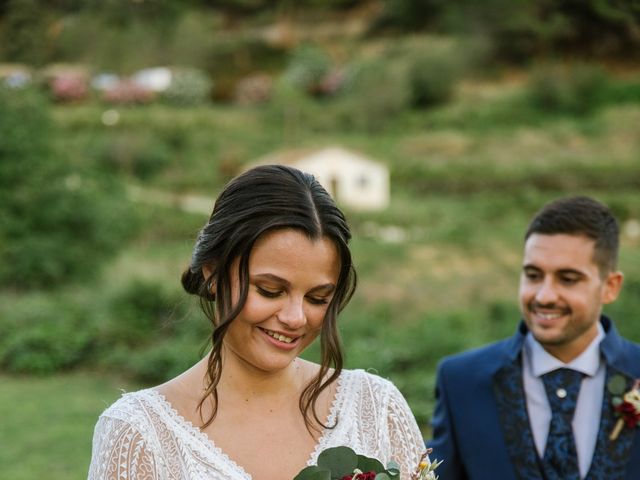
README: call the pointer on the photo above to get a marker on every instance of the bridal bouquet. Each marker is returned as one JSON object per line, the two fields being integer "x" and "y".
{"x": 342, "y": 463}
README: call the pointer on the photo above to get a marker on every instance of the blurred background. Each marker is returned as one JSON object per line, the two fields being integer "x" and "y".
{"x": 439, "y": 126}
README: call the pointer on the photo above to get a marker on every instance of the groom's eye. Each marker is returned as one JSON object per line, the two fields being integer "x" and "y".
{"x": 569, "y": 279}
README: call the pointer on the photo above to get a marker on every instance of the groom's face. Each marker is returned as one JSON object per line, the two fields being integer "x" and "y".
{"x": 562, "y": 292}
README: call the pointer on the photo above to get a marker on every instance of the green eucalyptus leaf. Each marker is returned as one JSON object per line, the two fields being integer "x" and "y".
{"x": 393, "y": 472}
{"x": 393, "y": 469}
{"x": 615, "y": 401}
{"x": 340, "y": 461}
{"x": 393, "y": 465}
{"x": 321, "y": 475}
{"x": 367, "y": 464}
{"x": 382, "y": 476}
{"x": 313, "y": 473}
{"x": 617, "y": 385}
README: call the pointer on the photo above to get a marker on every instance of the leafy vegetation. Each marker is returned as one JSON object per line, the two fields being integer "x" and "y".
{"x": 57, "y": 224}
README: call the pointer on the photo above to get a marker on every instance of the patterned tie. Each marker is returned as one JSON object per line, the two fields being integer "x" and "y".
{"x": 560, "y": 459}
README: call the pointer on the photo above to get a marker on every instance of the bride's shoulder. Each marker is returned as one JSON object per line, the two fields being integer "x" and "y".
{"x": 366, "y": 378}
{"x": 132, "y": 406}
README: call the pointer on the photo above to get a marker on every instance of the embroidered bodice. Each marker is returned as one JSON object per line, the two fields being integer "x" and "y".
{"x": 141, "y": 436}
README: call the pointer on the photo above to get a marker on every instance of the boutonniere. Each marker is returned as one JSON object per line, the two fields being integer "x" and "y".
{"x": 625, "y": 404}
{"x": 342, "y": 463}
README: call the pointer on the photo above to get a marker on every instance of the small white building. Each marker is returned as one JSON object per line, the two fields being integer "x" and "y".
{"x": 353, "y": 180}
{"x": 156, "y": 79}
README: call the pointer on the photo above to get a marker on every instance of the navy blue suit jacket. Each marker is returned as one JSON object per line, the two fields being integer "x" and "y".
{"x": 481, "y": 427}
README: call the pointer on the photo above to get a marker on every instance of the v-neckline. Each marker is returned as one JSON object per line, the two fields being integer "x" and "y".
{"x": 210, "y": 445}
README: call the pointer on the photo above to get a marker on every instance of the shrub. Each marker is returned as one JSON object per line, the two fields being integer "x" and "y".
{"x": 292, "y": 108}
{"x": 572, "y": 89}
{"x": 307, "y": 68}
{"x": 152, "y": 334}
{"x": 522, "y": 30}
{"x": 25, "y": 32}
{"x": 159, "y": 362}
{"x": 134, "y": 155}
{"x": 139, "y": 312}
{"x": 433, "y": 74}
{"x": 376, "y": 92}
{"x": 190, "y": 41}
{"x": 189, "y": 87}
{"x": 56, "y": 224}
{"x": 44, "y": 334}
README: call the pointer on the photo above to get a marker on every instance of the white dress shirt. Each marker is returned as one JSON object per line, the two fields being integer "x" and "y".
{"x": 586, "y": 420}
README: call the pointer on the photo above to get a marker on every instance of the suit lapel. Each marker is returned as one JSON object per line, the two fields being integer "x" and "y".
{"x": 512, "y": 410}
{"x": 611, "y": 456}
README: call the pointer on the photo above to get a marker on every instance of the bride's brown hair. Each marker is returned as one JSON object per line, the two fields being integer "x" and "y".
{"x": 260, "y": 200}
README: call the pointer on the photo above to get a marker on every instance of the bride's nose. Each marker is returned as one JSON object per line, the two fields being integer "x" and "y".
{"x": 292, "y": 313}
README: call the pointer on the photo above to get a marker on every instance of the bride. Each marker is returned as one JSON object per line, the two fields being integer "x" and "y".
{"x": 272, "y": 269}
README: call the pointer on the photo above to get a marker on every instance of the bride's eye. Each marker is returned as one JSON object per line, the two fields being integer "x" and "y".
{"x": 268, "y": 293}
{"x": 318, "y": 300}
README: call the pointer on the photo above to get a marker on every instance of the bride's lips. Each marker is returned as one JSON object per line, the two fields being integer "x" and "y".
{"x": 280, "y": 339}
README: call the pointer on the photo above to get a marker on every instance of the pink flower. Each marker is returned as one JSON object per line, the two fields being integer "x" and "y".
{"x": 361, "y": 476}
{"x": 629, "y": 414}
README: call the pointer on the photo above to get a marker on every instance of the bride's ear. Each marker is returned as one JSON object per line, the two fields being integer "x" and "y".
{"x": 207, "y": 273}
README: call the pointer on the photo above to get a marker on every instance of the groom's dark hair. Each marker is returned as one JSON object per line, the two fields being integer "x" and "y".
{"x": 581, "y": 216}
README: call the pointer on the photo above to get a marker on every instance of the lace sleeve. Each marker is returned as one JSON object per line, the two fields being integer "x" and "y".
{"x": 407, "y": 444}
{"x": 120, "y": 452}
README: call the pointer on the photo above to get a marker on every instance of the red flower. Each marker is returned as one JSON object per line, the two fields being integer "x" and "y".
{"x": 361, "y": 476}
{"x": 629, "y": 414}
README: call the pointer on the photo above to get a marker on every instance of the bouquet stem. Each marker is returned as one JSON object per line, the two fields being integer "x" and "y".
{"x": 617, "y": 429}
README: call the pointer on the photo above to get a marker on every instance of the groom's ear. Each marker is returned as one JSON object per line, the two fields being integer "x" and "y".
{"x": 612, "y": 286}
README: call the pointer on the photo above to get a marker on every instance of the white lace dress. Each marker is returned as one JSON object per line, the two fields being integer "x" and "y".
{"x": 141, "y": 437}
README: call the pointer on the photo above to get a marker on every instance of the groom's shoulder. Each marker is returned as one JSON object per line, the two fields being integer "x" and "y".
{"x": 627, "y": 353}
{"x": 623, "y": 352}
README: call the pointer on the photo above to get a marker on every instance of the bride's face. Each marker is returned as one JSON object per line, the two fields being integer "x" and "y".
{"x": 292, "y": 280}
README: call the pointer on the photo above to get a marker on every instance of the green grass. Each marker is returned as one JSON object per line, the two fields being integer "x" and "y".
{"x": 47, "y": 423}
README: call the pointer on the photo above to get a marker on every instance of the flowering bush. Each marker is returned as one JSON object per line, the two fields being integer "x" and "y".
{"x": 189, "y": 87}
{"x": 127, "y": 92}
{"x": 333, "y": 82}
{"x": 254, "y": 89}
{"x": 69, "y": 88}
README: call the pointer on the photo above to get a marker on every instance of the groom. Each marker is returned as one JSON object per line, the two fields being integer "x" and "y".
{"x": 539, "y": 405}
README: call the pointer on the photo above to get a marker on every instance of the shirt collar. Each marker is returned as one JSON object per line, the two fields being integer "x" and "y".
{"x": 543, "y": 362}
